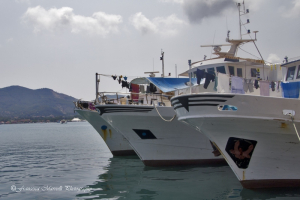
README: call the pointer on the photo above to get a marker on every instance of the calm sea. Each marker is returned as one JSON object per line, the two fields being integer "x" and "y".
{"x": 71, "y": 161}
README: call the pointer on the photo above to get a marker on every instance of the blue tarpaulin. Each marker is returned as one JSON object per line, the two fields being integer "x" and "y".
{"x": 290, "y": 89}
{"x": 171, "y": 84}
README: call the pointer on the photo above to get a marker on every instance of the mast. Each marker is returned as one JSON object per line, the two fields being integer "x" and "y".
{"x": 163, "y": 67}
{"x": 97, "y": 87}
{"x": 240, "y": 23}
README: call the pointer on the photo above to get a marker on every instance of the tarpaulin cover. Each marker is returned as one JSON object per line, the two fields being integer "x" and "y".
{"x": 171, "y": 84}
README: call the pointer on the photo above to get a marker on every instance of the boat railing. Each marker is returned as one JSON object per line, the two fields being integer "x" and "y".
{"x": 132, "y": 98}
{"x": 85, "y": 105}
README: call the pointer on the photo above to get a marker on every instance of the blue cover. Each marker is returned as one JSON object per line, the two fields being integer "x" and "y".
{"x": 290, "y": 89}
{"x": 171, "y": 84}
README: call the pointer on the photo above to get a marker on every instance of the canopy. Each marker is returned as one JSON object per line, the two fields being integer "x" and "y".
{"x": 171, "y": 84}
{"x": 140, "y": 81}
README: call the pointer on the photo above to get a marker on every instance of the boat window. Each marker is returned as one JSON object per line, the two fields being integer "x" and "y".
{"x": 194, "y": 74}
{"x": 253, "y": 72}
{"x": 290, "y": 73}
{"x": 239, "y": 72}
{"x": 231, "y": 70}
{"x": 221, "y": 69}
{"x": 211, "y": 70}
{"x": 298, "y": 73}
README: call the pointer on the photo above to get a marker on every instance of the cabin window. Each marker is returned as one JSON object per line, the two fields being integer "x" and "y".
{"x": 194, "y": 74}
{"x": 253, "y": 72}
{"x": 231, "y": 70}
{"x": 211, "y": 71}
{"x": 290, "y": 73}
{"x": 221, "y": 69}
{"x": 298, "y": 73}
{"x": 239, "y": 72}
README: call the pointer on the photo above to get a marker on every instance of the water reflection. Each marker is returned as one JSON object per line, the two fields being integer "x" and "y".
{"x": 278, "y": 193}
{"x": 128, "y": 178}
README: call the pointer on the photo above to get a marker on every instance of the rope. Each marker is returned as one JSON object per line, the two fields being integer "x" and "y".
{"x": 166, "y": 119}
{"x": 295, "y": 127}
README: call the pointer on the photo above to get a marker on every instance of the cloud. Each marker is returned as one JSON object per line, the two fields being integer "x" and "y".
{"x": 64, "y": 18}
{"x": 197, "y": 10}
{"x": 163, "y": 26}
{"x": 273, "y": 58}
{"x": 294, "y": 11}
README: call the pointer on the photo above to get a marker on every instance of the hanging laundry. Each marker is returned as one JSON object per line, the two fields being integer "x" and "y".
{"x": 273, "y": 86}
{"x": 125, "y": 78}
{"x": 124, "y": 84}
{"x": 152, "y": 87}
{"x": 256, "y": 84}
{"x": 135, "y": 90}
{"x": 199, "y": 74}
{"x": 114, "y": 77}
{"x": 237, "y": 85}
{"x": 278, "y": 86}
{"x": 142, "y": 88}
{"x": 248, "y": 85}
{"x": 223, "y": 83}
{"x": 216, "y": 84}
{"x": 130, "y": 87}
{"x": 264, "y": 88}
{"x": 208, "y": 78}
{"x": 290, "y": 89}
{"x": 148, "y": 89}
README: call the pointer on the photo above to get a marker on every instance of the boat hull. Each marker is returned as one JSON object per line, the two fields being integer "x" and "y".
{"x": 117, "y": 144}
{"x": 257, "y": 140}
{"x": 163, "y": 143}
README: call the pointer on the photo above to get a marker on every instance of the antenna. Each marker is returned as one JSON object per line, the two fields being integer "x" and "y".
{"x": 163, "y": 67}
{"x": 246, "y": 11}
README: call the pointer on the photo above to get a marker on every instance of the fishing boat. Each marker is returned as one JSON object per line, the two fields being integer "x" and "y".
{"x": 63, "y": 121}
{"x": 146, "y": 120}
{"x": 252, "y": 123}
{"x": 115, "y": 141}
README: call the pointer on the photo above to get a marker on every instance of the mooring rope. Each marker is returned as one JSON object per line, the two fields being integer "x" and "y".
{"x": 295, "y": 127}
{"x": 162, "y": 117}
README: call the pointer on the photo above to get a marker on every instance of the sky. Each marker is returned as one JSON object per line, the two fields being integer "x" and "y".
{"x": 61, "y": 44}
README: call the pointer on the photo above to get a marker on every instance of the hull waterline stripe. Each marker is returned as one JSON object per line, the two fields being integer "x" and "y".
{"x": 197, "y": 105}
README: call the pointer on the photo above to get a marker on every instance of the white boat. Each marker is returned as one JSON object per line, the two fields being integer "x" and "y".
{"x": 76, "y": 120}
{"x": 256, "y": 134}
{"x": 63, "y": 121}
{"x": 157, "y": 141}
{"x": 117, "y": 144}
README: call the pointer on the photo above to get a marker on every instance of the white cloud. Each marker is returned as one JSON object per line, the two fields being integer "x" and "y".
{"x": 163, "y": 26}
{"x": 273, "y": 58}
{"x": 64, "y": 18}
{"x": 294, "y": 11}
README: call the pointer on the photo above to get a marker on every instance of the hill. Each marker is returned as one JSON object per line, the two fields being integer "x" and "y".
{"x": 21, "y": 102}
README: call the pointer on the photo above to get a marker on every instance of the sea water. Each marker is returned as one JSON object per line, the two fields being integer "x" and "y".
{"x": 71, "y": 161}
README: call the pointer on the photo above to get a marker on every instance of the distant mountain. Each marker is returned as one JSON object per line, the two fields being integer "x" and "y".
{"x": 17, "y": 101}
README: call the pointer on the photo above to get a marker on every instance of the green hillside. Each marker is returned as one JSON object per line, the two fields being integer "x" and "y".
{"x": 21, "y": 102}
